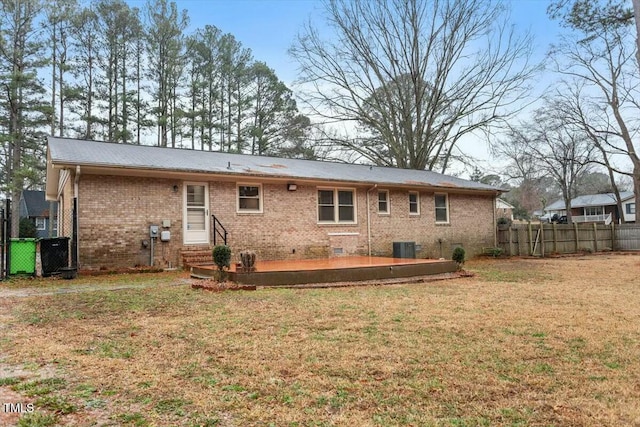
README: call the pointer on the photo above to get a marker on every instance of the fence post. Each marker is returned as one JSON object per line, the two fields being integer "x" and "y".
{"x": 530, "y": 229}
{"x": 595, "y": 237}
{"x": 542, "y": 240}
{"x": 7, "y": 238}
{"x": 555, "y": 238}
{"x": 3, "y": 246}
{"x": 510, "y": 242}
{"x": 613, "y": 236}
{"x": 521, "y": 239}
{"x": 575, "y": 230}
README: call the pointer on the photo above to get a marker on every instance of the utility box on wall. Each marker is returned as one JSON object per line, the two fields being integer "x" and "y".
{"x": 404, "y": 249}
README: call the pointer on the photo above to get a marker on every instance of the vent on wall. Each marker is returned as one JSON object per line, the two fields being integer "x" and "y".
{"x": 338, "y": 251}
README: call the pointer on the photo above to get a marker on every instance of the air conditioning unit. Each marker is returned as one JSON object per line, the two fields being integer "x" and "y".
{"x": 404, "y": 249}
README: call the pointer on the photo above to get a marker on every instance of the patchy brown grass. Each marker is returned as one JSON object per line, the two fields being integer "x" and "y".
{"x": 105, "y": 279}
{"x": 524, "y": 342}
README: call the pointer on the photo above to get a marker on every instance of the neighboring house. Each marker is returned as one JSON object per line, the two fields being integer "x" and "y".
{"x": 504, "y": 209}
{"x": 597, "y": 208}
{"x": 280, "y": 208}
{"x": 34, "y": 206}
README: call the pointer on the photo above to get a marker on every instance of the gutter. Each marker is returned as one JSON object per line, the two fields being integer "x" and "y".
{"x": 240, "y": 171}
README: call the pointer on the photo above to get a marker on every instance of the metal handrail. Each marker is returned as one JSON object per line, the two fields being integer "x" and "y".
{"x": 216, "y": 232}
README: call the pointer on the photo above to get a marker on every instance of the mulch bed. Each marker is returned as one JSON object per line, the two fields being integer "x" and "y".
{"x": 215, "y": 286}
{"x": 131, "y": 270}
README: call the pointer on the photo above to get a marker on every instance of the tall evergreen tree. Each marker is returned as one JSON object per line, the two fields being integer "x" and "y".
{"x": 205, "y": 59}
{"x": 25, "y": 112}
{"x": 85, "y": 31}
{"x": 59, "y": 15}
{"x": 234, "y": 60}
{"x": 165, "y": 49}
{"x": 114, "y": 17}
{"x": 272, "y": 110}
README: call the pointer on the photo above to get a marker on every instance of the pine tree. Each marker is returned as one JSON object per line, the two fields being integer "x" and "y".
{"x": 165, "y": 49}
{"x": 25, "y": 112}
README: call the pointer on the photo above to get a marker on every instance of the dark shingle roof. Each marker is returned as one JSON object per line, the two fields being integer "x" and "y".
{"x": 65, "y": 151}
{"x": 36, "y": 205}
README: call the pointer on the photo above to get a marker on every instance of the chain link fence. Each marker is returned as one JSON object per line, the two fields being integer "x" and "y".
{"x": 56, "y": 254}
{"x": 5, "y": 235}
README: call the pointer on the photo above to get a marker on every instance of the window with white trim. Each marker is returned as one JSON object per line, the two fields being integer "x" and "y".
{"x": 41, "y": 223}
{"x": 336, "y": 205}
{"x": 383, "y": 202}
{"x": 593, "y": 210}
{"x": 250, "y": 198}
{"x": 631, "y": 208}
{"x": 414, "y": 203}
{"x": 441, "y": 207}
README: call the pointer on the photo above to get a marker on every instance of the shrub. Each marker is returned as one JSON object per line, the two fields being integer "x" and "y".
{"x": 458, "y": 256}
{"x": 222, "y": 257}
{"x": 27, "y": 228}
{"x": 504, "y": 222}
{"x": 248, "y": 260}
{"x": 495, "y": 252}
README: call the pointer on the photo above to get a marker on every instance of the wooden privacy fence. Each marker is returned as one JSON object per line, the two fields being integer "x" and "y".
{"x": 547, "y": 239}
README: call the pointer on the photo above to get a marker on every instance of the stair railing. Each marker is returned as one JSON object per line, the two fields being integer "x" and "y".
{"x": 218, "y": 230}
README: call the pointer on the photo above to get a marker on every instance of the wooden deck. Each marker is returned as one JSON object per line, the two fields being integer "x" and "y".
{"x": 328, "y": 270}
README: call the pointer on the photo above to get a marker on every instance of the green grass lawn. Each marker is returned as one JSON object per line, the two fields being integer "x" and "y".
{"x": 524, "y": 342}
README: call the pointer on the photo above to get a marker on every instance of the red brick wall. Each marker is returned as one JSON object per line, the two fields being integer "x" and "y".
{"x": 471, "y": 224}
{"x": 114, "y": 218}
{"x": 115, "y": 214}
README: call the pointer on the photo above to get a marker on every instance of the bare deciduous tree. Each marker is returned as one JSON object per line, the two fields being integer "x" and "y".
{"x": 604, "y": 65}
{"x": 415, "y": 76}
{"x": 599, "y": 56}
{"x": 557, "y": 150}
{"x": 577, "y": 108}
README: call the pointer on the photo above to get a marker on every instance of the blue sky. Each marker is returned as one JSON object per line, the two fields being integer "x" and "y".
{"x": 268, "y": 27}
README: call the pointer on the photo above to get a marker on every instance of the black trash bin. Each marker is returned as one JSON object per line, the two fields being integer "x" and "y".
{"x": 54, "y": 255}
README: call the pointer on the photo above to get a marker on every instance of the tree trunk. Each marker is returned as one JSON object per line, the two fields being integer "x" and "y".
{"x": 125, "y": 116}
{"x": 636, "y": 15}
{"x": 53, "y": 79}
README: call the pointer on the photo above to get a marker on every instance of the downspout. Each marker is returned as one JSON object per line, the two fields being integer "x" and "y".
{"x": 495, "y": 225}
{"x": 75, "y": 182}
{"x": 64, "y": 177}
{"x": 76, "y": 193}
{"x": 369, "y": 218}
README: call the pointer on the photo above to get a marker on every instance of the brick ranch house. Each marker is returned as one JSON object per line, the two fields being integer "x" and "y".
{"x": 280, "y": 208}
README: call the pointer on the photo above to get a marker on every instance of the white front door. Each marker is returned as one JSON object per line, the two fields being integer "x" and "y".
{"x": 196, "y": 213}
